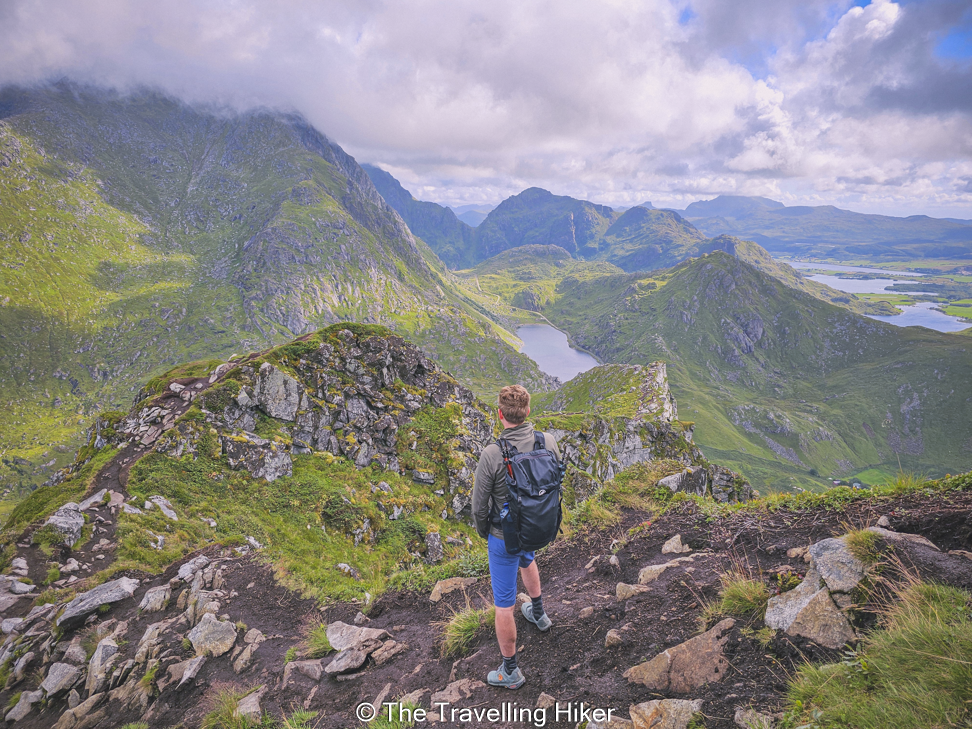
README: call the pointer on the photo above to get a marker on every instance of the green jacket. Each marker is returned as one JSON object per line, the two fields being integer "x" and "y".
{"x": 490, "y": 485}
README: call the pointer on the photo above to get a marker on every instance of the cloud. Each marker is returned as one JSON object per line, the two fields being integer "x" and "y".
{"x": 617, "y": 101}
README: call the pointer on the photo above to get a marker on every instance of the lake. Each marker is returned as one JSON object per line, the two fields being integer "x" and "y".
{"x": 922, "y": 314}
{"x": 548, "y": 347}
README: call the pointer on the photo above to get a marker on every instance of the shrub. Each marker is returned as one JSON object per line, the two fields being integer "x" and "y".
{"x": 459, "y": 632}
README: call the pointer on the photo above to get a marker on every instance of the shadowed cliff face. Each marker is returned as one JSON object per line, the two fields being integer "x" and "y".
{"x": 142, "y": 232}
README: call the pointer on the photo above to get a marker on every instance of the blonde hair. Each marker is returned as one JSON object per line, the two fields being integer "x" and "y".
{"x": 514, "y": 401}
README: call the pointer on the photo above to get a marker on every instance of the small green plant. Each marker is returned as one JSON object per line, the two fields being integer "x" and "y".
{"x": 187, "y": 645}
{"x": 763, "y": 636}
{"x": 136, "y": 725}
{"x": 459, "y": 632}
{"x": 147, "y": 682}
{"x": 47, "y": 537}
{"x": 739, "y": 595}
{"x": 291, "y": 654}
{"x": 102, "y": 609}
{"x": 864, "y": 545}
{"x": 786, "y": 581}
{"x": 317, "y": 642}
{"x": 300, "y": 719}
{"x": 241, "y": 627}
{"x": 14, "y": 700}
{"x": 53, "y": 575}
{"x": 405, "y": 710}
{"x": 222, "y": 710}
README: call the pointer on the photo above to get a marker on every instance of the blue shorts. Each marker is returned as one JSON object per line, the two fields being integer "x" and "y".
{"x": 503, "y": 569}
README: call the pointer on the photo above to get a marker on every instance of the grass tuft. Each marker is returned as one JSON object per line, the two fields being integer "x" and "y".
{"x": 740, "y": 595}
{"x": 317, "y": 642}
{"x": 914, "y": 673}
{"x": 459, "y": 632}
{"x": 864, "y": 545}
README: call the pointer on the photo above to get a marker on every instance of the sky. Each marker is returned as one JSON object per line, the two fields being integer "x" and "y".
{"x": 863, "y": 105}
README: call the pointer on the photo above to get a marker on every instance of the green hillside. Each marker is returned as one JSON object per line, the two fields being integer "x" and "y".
{"x": 783, "y": 387}
{"x": 829, "y": 232}
{"x": 140, "y": 233}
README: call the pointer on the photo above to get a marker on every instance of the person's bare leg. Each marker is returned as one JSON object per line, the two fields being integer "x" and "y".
{"x": 531, "y": 579}
{"x": 506, "y": 631}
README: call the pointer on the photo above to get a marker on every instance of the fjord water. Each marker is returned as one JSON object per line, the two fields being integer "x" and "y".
{"x": 923, "y": 314}
{"x": 548, "y": 347}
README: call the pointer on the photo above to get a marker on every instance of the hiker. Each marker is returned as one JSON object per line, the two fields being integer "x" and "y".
{"x": 538, "y": 470}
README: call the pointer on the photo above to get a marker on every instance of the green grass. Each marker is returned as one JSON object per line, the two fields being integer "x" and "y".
{"x": 383, "y": 722}
{"x": 739, "y": 595}
{"x": 461, "y": 630}
{"x": 300, "y": 719}
{"x": 864, "y": 545}
{"x": 318, "y": 645}
{"x": 223, "y": 706}
{"x": 914, "y": 673}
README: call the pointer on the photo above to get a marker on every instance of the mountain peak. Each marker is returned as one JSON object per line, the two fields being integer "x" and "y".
{"x": 731, "y": 206}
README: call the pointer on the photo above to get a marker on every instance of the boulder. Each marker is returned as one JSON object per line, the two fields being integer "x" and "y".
{"x": 86, "y": 603}
{"x": 75, "y": 653}
{"x": 100, "y": 664}
{"x": 20, "y": 667}
{"x": 262, "y": 458}
{"x": 433, "y": 548}
{"x": 341, "y": 635}
{"x": 249, "y": 707}
{"x": 347, "y": 660}
{"x": 190, "y": 669}
{"x": 24, "y": 705}
{"x": 69, "y": 521}
{"x": 451, "y": 584}
{"x": 664, "y": 714}
{"x": 277, "y": 393}
{"x": 156, "y": 599}
{"x": 93, "y": 500}
{"x": 675, "y": 546}
{"x": 20, "y": 588}
{"x": 687, "y": 666}
{"x": 165, "y": 506}
{"x": 808, "y": 611}
{"x": 212, "y": 637}
{"x": 61, "y": 677}
{"x": 839, "y": 569}
{"x": 10, "y": 625}
{"x": 188, "y": 570}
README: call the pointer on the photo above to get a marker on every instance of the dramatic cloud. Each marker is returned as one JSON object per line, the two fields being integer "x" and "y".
{"x": 619, "y": 101}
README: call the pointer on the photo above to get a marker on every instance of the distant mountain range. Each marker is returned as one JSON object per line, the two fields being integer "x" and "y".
{"x": 645, "y": 238}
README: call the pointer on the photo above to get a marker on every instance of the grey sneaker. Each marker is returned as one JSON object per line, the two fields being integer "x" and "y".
{"x": 502, "y": 679}
{"x": 543, "y": 623}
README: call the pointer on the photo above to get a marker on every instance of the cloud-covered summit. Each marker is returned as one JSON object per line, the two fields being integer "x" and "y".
{"x": 616, "y": 101}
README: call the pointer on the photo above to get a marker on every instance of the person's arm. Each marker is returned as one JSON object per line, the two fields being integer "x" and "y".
{"x": 482, "y": 490}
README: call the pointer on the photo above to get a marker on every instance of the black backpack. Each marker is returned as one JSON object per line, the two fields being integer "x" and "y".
{"x": 531, "y": 516}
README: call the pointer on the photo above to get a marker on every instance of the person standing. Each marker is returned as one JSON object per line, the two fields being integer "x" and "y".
{"x": 490, "y": 495}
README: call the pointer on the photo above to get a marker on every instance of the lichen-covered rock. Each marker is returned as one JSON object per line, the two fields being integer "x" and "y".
{"x": 24, "y": 705}
{"x": 664, "y": 713}
{"x": 809, "y": 611}
{"x": 101, "y": 662}
{"x": 341, "y": 635}
{"x": 69, "y": 521}
{"x": 687, "y": 666}
{"x": 156, "y": 599}
{"x": 262, "y": 458}
{"x": 61, "y": 677}
{"x": 839, "y": 569}
{"x": 212, "y": 637}
{"x": 86, "y": 603}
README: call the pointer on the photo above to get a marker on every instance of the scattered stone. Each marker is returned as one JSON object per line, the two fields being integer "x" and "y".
{"x": 341, "y": 635}
{"x": 585, "y": 613}
{"x": 651, "y": 573}
{"x": 808, "y": 611}
{"x": 60, "y": 677}
{"x": 129, "y": 509}
{"x": 10, "y": 625}
{"x": 433, "y": 548}
{"x": 796, "y": 552}
{"x": 254, "y": 543}
{"x": 687, "y": 666}
{"x": 75, "y": 653}
{"x": 545, "y": 701}
{"x": 93, "y": 500}
{"x": 675, "y": 546}
{"x": 99, "y": 665}
{"x": 24, "y": 705}
{"x": 664, "y": 714}
{"x": 444, "y": 587}
{"x": 69, "y": 521}
{"x": 249, "y": 706}
{"x": 840, "y": 569}
{"x": 86, "y": 603}
{"x": 190, "y": 568}
{"x": 165, "y": 506}
{"x": 191, "y": 669}
{"x": 74, "y": 698}
{"x": 625, "y": 591}
{"x": 612, "y": 639}
{"x": 423, "y": 477}
{"x": 456, "y": 691}
{"x": 19, "y": 566}
{"x": 83, "y": 715}
{"x": 21, "y": 665}
{"x": 254, "y": 637}
{"x": 388, "y": 650}
{"x": 361, "y": 618}
{"x": 156, "y": 599}
{"x": 349, "y": 570}
{"x": 245, "y": 659}
{"x": 884, "y": 522}
{"x": 212, "y": 637}
{"x": 752, "y": 719}
{"x": 347, "y": 660}
{"x": 20, "y": 588}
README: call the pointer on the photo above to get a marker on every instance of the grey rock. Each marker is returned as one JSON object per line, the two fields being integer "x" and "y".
{"x": 69, "y": 521}
{"x": 23, "y": 707}
{"x": 10, "y": 625}
{"x": 342, "y": 636}
{"x": 100, "y": 664}
{"x": 262, "y": 458}
{"x": 254, "y": 637}
{"x": 433, "y": 548}
{"x": 675, "y": 546}
{"x": 456, "y": 691}
{"x": 156, "y": 599}
{"x": 60, "y": 677}
{"x": 19, "y": 564}
{"x": 688, "y": 666}
{"x": 810, "y": 612}
{"x": 347, "y": 660}
{"x": 165, "y": 506}
{"x": 129, "y": 509}
{"x": 388, "y": 650}
{"x": 190, "y": 568}
{"x": 277, "y": 393}
{"x": 361, "y": 619}
{"x": 752, "y": 719}
{"x": 86, "y": 603}
{"x": 70, "y": 566}
{"x": 191, "y": 669}
{"x": 612, "y": 639}
{"x": 21, "y": 665}
{"x": 423, "y": 477}
{"x": 249, "y": 706}
{"x": 349, "y": 570}
{"x": 93, "y": 500}
{"x": 884, "y": 522}
{"x": 75, "y": 653}
{"x": 624, "y": 591}
{"x": 664, "y": 713}
{"x": 840, "y": 569}
{"x": 245, "y": 658}
{"x": 212, "y": 637}
{"x": 74, "y": 698}
{"x": 20, "y": 588}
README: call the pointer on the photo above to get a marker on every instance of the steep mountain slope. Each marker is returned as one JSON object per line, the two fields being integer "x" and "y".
{"x": 140, "y": 232}
{"x": 829, "y": 232}
{"x": 449, "y": 237}
{"x": 783, "y": 387}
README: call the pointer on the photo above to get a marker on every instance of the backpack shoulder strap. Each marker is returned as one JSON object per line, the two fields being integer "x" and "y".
{"x": 539, "y": 440}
